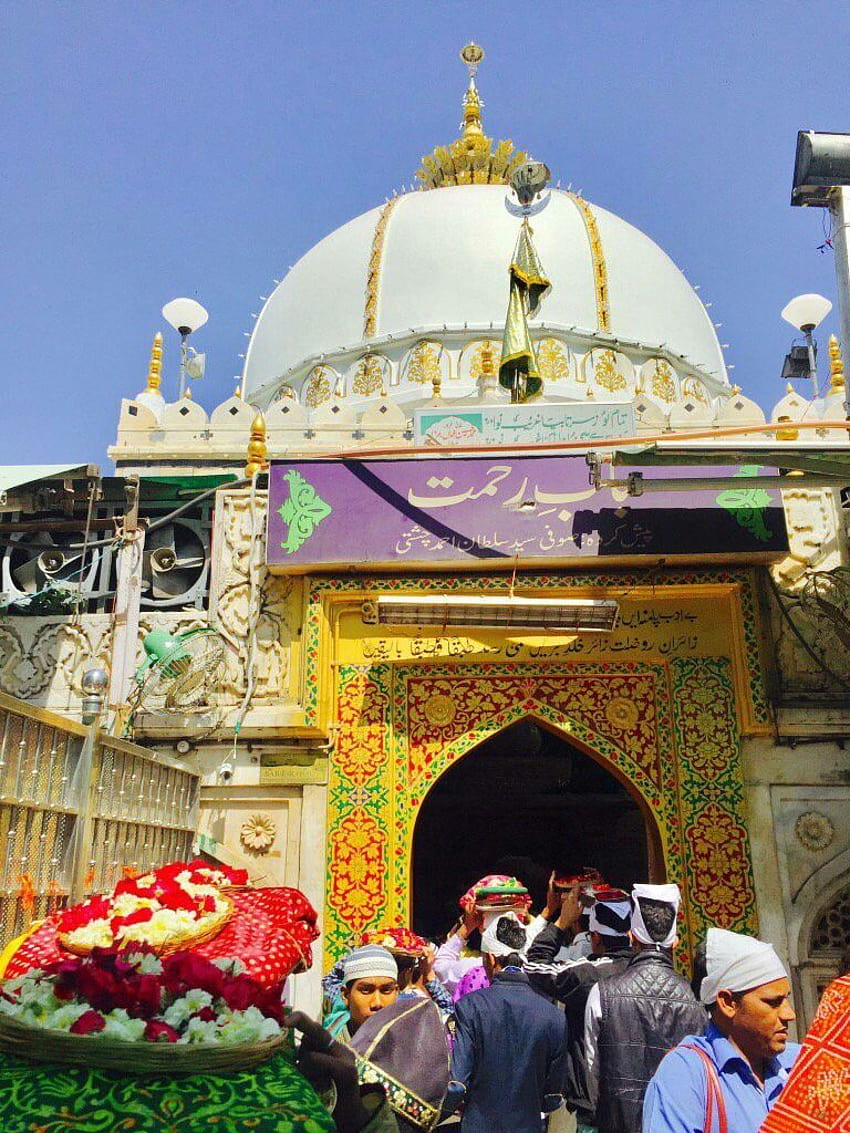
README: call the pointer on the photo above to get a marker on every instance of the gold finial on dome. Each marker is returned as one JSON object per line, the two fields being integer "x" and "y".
{"x": 472, "y": 55}
{"x": 473, "y": 158}
{"x": 836, "y": 365}
{"x": 258, "y": 452}
{"x": 155, "y": 365}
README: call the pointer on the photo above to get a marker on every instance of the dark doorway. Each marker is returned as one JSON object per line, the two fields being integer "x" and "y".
{"x": 523, "y": 802}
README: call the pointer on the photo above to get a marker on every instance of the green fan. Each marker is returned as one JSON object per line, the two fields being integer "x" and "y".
{"x": 181, "y": 671}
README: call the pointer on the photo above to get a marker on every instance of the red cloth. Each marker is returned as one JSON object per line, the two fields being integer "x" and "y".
{"x": 816, "y": 1097}
{"x": 270, "y": 931}
{"x": 398, "y": 939}
{"x": 495, "y": 900}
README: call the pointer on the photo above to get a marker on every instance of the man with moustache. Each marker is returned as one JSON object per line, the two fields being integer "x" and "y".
{"x": 730, "y": 1077}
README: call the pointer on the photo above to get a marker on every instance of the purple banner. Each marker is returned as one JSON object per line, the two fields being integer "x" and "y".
{"x": 474, "y": 511}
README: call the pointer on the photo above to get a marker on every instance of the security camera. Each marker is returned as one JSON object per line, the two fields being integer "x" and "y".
{"x": 225, "y": 772}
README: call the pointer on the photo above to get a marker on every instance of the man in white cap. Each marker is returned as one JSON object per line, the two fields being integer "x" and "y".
{"x": 729, "y": 1077}
{"x": 369, "y": 983}
{"x": 634, "y": 1018}
{"x": 510, "y": 1044}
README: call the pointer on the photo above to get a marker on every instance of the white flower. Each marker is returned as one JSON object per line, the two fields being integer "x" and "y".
{"x": 196, "y": 1000}
{"x": 249, "y": 1026}
{"x": 200, "y": 1031}
{"x": 147, "y": 964}
{"x": 65, "y": 1016}
{"x": 127, "y": 903}
{"x": 177, "y": 1014}
{"x": 120, "y": 1026}
{"x": 96, "y": 934}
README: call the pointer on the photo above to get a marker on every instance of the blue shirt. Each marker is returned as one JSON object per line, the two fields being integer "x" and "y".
{"x": 509, "y": 1056}
{"x": 675, "y": 1097}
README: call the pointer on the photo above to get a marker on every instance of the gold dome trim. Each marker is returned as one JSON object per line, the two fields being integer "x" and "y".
{"x": 597, "y": 255}
{"x": 473, "y": 158}
{"x": 373, "y": 278}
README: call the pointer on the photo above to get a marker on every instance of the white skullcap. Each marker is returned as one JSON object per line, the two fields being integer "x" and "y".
{"x": 737, "y": 963}
{"x": 369, "y": 962}
{"x": 667, "y": 895}
{"x": 610, "y": 918}
{"x": 491, "y": 943}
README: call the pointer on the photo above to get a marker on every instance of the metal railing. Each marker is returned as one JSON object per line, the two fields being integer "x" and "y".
{"x": 79, "y": 810}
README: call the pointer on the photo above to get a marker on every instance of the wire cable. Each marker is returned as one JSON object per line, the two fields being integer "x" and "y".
{"x": 163, "y": 519}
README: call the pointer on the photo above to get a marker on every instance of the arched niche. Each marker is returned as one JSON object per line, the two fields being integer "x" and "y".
{"x": 815, "y": 966}
{"x": 425, "y": 363}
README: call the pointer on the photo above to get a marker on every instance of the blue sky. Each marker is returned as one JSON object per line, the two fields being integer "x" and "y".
{"x": 159, "y": 149}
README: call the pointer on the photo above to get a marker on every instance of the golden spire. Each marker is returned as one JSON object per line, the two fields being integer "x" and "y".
{"x": 473, "y": 158}
{"x": 472, "y": 55}
{"x": 155, "y": 365}
{"x": 257, "y": 449}
{"x": 836, "y": 366}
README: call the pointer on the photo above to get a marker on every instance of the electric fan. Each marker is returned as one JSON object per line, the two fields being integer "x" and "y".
{"x": 181, "y": 671}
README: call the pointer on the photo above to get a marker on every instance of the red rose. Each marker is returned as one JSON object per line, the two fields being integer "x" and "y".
{"x": 79, "y": 915}
{"x": 170, "y": 871}
{"x": 157, "y": 1032}
{"x": 100, "y": 988}
{"x": 88, "y": 1024}
{"x": 182, "y": 971}
{"x": 147, "y": 992}
{"x": 241, "y": 992}
{"x": 206, "y": 1014}
{"x": 173, "y": 896}
{"x": 141, "y": 916}
{"x": 234, "y": 876}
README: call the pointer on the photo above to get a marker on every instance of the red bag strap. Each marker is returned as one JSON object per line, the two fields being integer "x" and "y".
{"x": 713, "y": 1096}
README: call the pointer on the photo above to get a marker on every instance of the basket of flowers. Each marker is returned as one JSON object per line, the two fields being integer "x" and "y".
{"x": 210, "y": 910}
{"x": 134, "y": 1011}
{"x": 175, "y": 907}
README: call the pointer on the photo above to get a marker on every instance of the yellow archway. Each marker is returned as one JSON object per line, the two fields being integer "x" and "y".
{"x": 669, "y": 730}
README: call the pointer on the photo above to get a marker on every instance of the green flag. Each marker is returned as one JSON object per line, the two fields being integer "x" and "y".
{"x": 518, "y": 370}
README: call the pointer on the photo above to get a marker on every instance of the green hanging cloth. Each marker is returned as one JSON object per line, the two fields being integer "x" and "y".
{"x": 518, "y": 370}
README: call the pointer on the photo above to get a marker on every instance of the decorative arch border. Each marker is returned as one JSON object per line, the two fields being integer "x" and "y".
{"x": 669, "y": 729}
{"x": 324, "y": 593}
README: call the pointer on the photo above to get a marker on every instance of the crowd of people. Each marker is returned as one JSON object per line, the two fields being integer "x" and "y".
{"x": 576, "y": 1018}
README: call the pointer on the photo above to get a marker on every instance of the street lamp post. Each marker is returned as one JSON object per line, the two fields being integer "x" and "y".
{"x": 822, "y": 180}
{"x": 806, "y": 312}
{"x": 186, "y": 316}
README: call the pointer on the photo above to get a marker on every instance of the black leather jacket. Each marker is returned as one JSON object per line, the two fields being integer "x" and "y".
{"x": 646, "y": 1010}
{"x": 569, "y": 982}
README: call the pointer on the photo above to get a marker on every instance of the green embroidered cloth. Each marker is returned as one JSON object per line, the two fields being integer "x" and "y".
{"x": 43, "y": 1098}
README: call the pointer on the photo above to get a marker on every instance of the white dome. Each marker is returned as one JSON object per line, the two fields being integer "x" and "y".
{"x": 440, "y": 269}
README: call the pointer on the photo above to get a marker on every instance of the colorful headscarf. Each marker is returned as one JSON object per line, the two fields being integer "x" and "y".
{"x": 399, "y": 940}
{"x": 816, "y": 1097}
{"x": 519, "y": 899}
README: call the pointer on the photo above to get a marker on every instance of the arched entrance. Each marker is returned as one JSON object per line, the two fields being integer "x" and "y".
{"x": 667, "y": 730}
{"x": 523, "y": 802}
